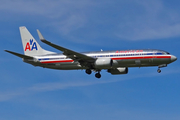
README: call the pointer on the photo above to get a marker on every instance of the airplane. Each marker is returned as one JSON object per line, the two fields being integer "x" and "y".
{"x": 115, "y": 62}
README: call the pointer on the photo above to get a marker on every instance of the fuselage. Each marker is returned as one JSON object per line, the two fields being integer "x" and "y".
{"x": 121, "y": 58}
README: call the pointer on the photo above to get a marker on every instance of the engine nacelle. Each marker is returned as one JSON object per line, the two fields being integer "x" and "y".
{"x": 103, "y": 63}
{"x": 116, "y": 71}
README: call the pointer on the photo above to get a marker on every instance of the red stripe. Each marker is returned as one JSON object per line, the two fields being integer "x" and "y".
{"x": 163, "y": 57}
{"x": 59, "y": 61}
{"x": 123, "y": 58}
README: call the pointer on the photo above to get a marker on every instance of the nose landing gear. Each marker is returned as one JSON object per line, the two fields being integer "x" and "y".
{"x": 159, "y": 70}
{"x": 160, "y": 66}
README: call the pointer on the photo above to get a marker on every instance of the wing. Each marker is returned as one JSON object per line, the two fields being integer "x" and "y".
{"x": 82, "y": 58}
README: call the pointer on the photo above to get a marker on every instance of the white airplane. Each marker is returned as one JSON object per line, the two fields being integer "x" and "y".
{"x": 115, "y": 62}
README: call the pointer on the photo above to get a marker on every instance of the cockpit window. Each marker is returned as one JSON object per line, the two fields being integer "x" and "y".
{"x": 166, "y": 53}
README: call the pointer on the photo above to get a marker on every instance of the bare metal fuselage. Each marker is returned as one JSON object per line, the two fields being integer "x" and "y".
{"x": 125, "y": 58}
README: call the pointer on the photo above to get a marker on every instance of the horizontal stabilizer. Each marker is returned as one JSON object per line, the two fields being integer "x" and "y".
{"x": 19, "y": 55}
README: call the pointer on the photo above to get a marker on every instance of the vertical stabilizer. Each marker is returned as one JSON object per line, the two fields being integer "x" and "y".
{"x": 30, "y": 45}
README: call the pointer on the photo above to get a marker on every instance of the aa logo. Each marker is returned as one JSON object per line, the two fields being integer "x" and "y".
{"x": 31, "y": 45}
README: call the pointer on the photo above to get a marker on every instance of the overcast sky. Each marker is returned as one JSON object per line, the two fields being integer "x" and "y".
{"x": 28, "y": 92}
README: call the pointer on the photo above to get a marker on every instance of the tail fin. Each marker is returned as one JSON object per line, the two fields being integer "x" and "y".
{"x": 30, "y": 45}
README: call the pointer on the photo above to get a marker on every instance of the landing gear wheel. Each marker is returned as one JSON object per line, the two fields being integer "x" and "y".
{"x": 88, "y": 71}
{"x": 159, "y": 71}
{"x": 98, "y": 75}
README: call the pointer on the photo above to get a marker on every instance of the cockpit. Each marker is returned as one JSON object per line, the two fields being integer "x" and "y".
{"x": 165, "y": 53}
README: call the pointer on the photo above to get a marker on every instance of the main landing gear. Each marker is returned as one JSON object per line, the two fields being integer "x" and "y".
{"x": 97, "y": 75}
{"x": 88, "y": 71}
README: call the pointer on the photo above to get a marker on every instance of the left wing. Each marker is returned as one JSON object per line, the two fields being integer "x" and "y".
{"x": 82, "y": 58}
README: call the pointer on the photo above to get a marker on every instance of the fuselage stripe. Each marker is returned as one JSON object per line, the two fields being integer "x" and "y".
{"x": 119, "y": 58}
{"x": 57, "y": 61}
{"x": 142, "y": 57}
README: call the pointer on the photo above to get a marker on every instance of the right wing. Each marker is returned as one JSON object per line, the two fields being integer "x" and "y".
{"x": 82, "y": 58}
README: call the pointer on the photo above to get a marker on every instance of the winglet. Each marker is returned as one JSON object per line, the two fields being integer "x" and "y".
{"x": 40, "y": 35}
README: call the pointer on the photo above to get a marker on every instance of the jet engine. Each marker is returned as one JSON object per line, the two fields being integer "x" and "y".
{"x": 116, "y": 71}
{"x": 103, "y": 63}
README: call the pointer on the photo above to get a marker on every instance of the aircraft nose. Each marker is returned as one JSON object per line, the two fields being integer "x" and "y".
{"x": 173, "y": 58}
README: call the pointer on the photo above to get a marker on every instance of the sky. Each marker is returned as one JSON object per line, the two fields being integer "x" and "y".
{"x": 34, "y": 93}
